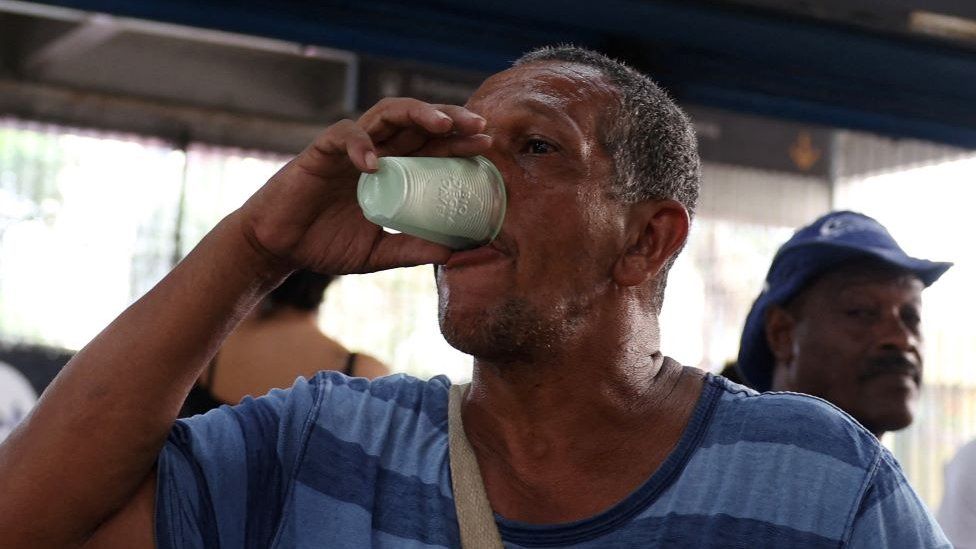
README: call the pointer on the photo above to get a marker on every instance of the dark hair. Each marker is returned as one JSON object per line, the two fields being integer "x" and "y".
{"x": 651, "y": 141}
{"x": 302, "y": 290}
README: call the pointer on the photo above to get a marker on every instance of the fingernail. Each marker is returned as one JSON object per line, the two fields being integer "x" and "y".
{"x": 442, "y": 115}
{"x": 371, "y": 161}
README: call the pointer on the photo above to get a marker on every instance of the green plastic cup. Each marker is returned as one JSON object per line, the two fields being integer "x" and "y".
{"x": 457, "y": 202}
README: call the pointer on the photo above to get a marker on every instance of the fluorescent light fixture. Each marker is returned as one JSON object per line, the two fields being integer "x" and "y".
{"x": 941, "y": 25}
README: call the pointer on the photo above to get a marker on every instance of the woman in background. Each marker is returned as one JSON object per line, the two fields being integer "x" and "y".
{"x": 279, "y": 341}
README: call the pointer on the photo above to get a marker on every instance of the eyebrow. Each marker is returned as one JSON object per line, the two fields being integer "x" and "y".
{"x": 540, "y": 107}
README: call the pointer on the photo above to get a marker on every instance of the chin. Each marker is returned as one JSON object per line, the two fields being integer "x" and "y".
{"x": 503, "y": 333}
{"x": 892, "y": 421}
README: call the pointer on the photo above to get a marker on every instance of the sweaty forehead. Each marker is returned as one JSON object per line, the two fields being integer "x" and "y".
{"x": 559, "y": 85}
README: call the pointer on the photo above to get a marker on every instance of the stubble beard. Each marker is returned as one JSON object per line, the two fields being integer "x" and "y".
{"x": 514, "y": 331}
{"x": 509, "y": 332}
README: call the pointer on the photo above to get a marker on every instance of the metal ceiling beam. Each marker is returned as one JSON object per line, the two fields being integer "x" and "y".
{"x": 766, "y": 63}
{"x": 174, "y": 123}
{"x": 89, "y": 33}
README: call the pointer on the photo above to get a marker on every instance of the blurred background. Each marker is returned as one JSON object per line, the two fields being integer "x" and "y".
{"x": 128, "y": 129}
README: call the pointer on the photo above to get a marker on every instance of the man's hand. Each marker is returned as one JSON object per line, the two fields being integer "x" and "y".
{"x": 307, "y": 215}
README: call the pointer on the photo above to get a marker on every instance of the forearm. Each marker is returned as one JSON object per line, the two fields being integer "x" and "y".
{"x": 98, "y": 428}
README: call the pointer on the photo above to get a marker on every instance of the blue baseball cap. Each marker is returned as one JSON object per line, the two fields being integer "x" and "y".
{"x": 833, "y": 239}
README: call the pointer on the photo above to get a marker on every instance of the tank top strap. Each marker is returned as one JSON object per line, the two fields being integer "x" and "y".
{"x": 350, "y": 364}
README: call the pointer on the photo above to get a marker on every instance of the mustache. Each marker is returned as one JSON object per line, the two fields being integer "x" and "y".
{"x": 891, "y": 364}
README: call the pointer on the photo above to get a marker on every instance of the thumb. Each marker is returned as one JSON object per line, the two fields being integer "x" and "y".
{"x": 403, "y": 250}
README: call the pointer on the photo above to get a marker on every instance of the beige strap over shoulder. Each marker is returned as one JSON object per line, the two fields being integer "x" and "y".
{"x": 475, "y": 518}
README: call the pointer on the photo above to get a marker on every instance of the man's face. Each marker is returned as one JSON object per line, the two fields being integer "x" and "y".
{"x": 535, "y": 283}
{"x": 857, "y": 343}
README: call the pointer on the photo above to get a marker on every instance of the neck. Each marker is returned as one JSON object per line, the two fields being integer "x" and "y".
{"x": 607, "y": 374}
{"x": 282, "y": 313}
{"x": 598, "y": 418}
{"x": 550, "y": 406}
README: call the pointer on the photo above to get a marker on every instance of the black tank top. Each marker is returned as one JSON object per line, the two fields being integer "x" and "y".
{"x": 201, "y": 398}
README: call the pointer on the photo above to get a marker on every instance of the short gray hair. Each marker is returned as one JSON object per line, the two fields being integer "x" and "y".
{"x": 651, "y": 141}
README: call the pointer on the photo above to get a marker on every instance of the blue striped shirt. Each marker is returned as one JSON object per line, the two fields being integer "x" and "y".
{"x": 342, "y": 462}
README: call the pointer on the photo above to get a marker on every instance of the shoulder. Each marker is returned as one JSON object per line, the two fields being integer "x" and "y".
{"x": 328, "y": 411}
{"x": 957, "y": 512}
{"x": 358, "y": 407}
{"x": 402, "y": 389}
{"x": 960, "y": 471}
{"x": 17, "y": 397}
{"x": 965, "y": 457}
{"x": 891, "y": 514}
{"x": 369, "y": 366}
{"x": 329, "y": 401}
{"x": 392, "y": 429}
{"x": 809, "y": 425}
{"x": 791, "y": 461}
{"x": 14, "y": 386}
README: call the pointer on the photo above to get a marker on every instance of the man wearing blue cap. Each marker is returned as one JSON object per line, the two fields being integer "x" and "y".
{"x": 839, "y": 318}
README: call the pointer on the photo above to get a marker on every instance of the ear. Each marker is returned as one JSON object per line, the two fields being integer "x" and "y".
{"x": 779, "y": 334}
{"x": 656, "y": 231}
